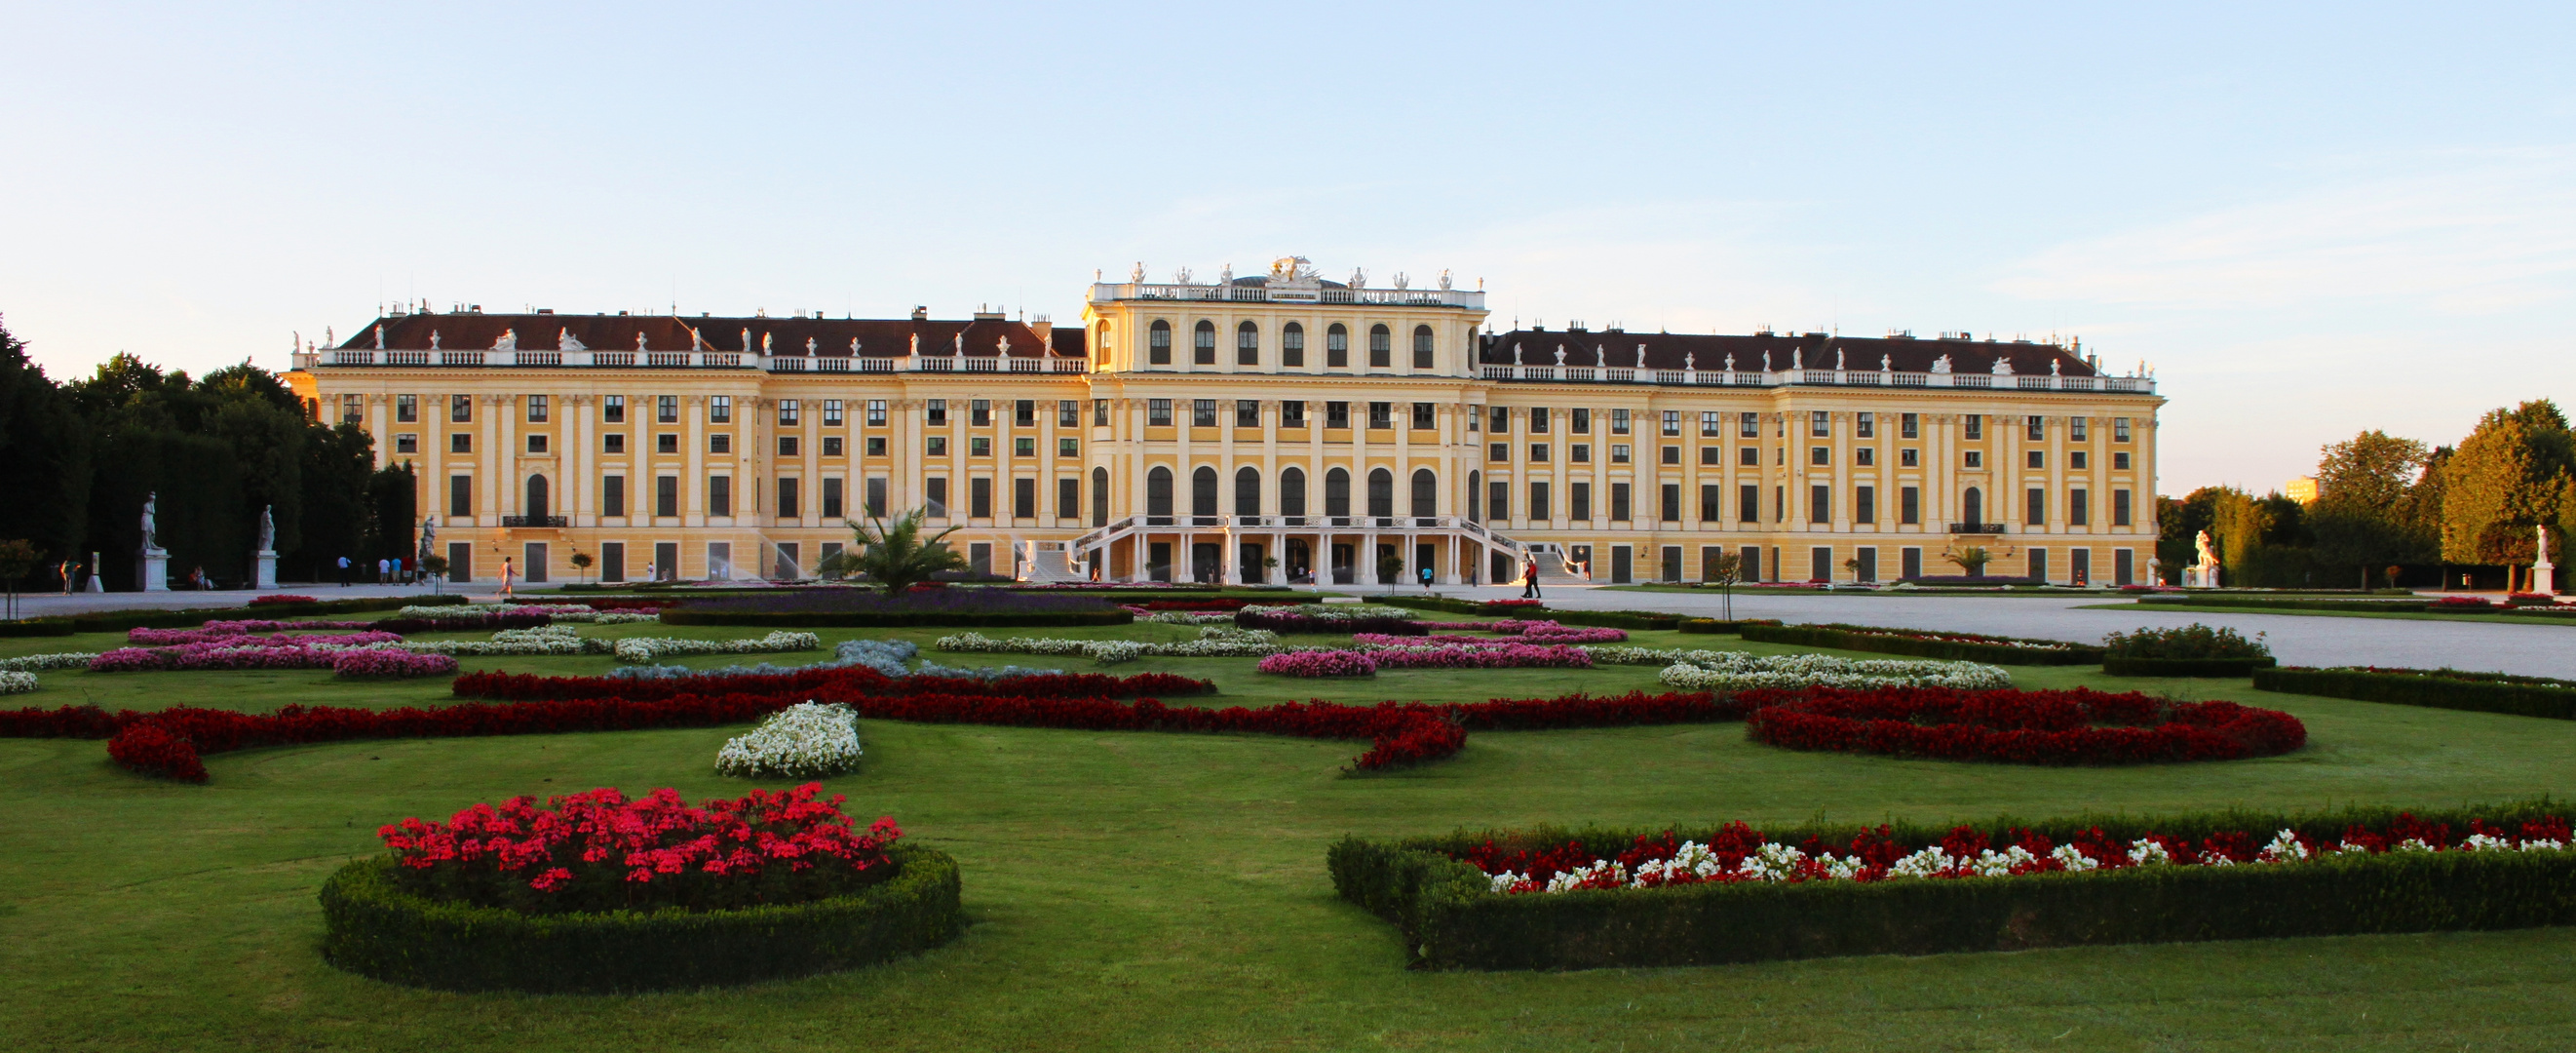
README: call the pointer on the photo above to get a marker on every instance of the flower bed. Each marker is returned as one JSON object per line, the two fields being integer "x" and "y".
{"x": 215, "y": 632}
{"x": 1745, "y": 671}
{"x": 1330, "y": 618}
{"x": 1213, "y": 642}
{"x": 388, "y": 664}
{"x": 2003, "y": 650}
{"x": 597, "y": 892}
{"x": 271, "y": 601}
{"x": 961, "y": 607}
{"x": 36, "y": 662}
{"x": 2528, "y": 696}
{"x": 644, "y": 650}
{"x": 883, "y": 656}
{"x": 544, "y": 639}
{"x": 856, "y": 677}
{"x": 1547, "y": 900}
{"x": 2018, "y": 727}
{"x": 16, "y": 683}
{"x": 1212, "y": 603}
{"x": 2453, "y": 604}
{"x": 1319, "y": 664}
{"x": 806, "y": 740}
{"x": 240, "y": 652}
{"x": 1509, "y": 655}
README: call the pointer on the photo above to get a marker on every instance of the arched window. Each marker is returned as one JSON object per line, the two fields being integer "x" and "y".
{"x": 1100, "y": 497}
{"x": 1972, "y": 508}
{"x": 1203, "y": 492}
{"x": 1292, "y": 491}
{"x": 1337, "y": 347}
{"x": 1247, "y": 491}
{"x": 1381, "y": 348}
{"x": 1158, "y": 494}
{"x": 1381, "y": 493}
{"x": 1247, "y": 344}
{"x": 1475, "y": 485}
{"x": 1426, "y": 493}
{"x": 1292, "y": 346}
{"x": 536, "y": 506}
{"x": 1337, "y": 493}
{"x": 1203, "y": 344}
{"x": 1158, "y": 344}
{"x": 1421, "y": 347}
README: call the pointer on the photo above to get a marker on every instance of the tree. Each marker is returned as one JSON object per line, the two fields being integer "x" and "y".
{"x": 44, "y": 455}
{"x": 17, "y": 557}
{"x": 434, "y": 568}
{"x": 2364, "y": 514}
{"x": 582, "y": 561}
{"x": 2369, "y": 470}
{"x": 2512, "y": 472}
{"x": 1972, "y": 559}
{"x": 894, "y": 556}
{"x": 1390, "y": 567}
{"x": 1727, "y": 570}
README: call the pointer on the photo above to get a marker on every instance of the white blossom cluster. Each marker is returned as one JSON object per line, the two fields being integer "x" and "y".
{"x": 1333, "y": 612}
{"x": 1188, "y": 617}
{"x": 15, "y": 683}
{"x": 562, "y": 612}
{"x": 645, "y": 650}
{"x": 1213, "y": 642}
{"x": 543, "y": 639}
{"x": 802, "y": 741}
{"x": 33, "y": 662}
{"x": 1741, "y": 670}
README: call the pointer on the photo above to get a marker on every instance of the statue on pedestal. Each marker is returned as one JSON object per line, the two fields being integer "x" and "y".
{"x": 267, "y": 529}
{"x": 151, "y": 534}
{"x": 2204, "y": 573}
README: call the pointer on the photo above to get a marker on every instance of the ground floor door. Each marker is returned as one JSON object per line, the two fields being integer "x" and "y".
{"x": 789, "y": 569}
{"x": 1300, "y": 561}
{"x": 536, "y": 566}
{"x": 1820, "y": 563}
{"x": 1426, "y": 560}
{"x": 2039, "y": 564}
{"x": 1751, "y": 557}
{"x": 2079, "y": 566}
{"x": 666, "y": 561}
{"x": 1158, "y": 560}
{"x": 460, "y": 561}
{"x": 1207, "y": 560}
{"x": 1342, "y": 556}
{"x": 720, "y": 560}
{"x": 1390, "y": 565}
{"x": 1669, "y": 567}
{"x": 612, "y": 561}
{"x": 1580, "y": 558}
{"x": 1622, "y": 564}
{"x": 1909, "y": 563}
{"x": 1247, "y": 561}
{"x": 2124, "y": 568}
{"x": 1867, "y": 558}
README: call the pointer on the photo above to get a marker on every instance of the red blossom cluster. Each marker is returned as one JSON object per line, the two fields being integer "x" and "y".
{"x": 2022, "y": 727}
{"x": 603, "y": 851}
{"x": 265, "y": 601}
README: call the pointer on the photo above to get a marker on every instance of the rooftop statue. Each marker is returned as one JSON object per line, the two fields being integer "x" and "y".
{"x": 1560, "y": 354}
{"x": 2053, "y": 365}
{"x": 1884, "y": 362}
{"x": 1516, "y": 353}
{"x": 380, "y": 337}
{"x": 1444, "y": 279}
{"x": 509, "y": 341}
{"x": 2003, "y": 366}
{"x": 1730, "y": 361}
{"x": 1641, "y": 356}
{"x": 433, "y": 339}
{"x": 1138, "y": 275}
{"x": 1941, "y": 364}
{"x": 639, "y": 340}
{"x": 1838, "y": 359}
{"x": 1600, "y": 355}
{"x": 565, "y": 341}
{"x": 1797, "y": 358}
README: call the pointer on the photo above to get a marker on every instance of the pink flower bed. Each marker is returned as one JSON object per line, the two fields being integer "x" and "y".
{"x": 238, "y": 652}
{"x": 1508, "y": 656}
{"x": 1549, "y": 631}
{"x": 389, "y": 664}
{"x": 218, "y": 632}
{"x": 1319, "y": 663}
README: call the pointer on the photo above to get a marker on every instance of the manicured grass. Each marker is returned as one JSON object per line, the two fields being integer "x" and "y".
{"x": 1144, "y": 891}
{"x": 2419, "y": 616}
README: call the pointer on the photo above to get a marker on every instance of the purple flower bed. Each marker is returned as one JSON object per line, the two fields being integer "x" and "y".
{"x": 1319, "y": 663}
{"x": 217, "y": 632}
{"x": 917, "y": 601}
{"x": 239, "y": 652}
{"x": 1508, "y": 656}
{"x": 465, "y": 623}
{"x": 1300, "y": 623}
{"x": 389, "y": 664}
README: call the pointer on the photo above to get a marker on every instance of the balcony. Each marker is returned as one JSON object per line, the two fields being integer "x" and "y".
{"x": 536, "y": 522}
{"x": 1976, "y": 528}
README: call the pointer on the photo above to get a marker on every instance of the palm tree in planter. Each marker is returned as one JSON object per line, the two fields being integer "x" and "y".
{"x": 1972, "y": 560}
{"x": 893, "y": 555}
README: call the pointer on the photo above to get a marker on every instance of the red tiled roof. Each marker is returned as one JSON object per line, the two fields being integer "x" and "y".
{"x": 1811, "y": 350}
{"x": 827, "y": 337}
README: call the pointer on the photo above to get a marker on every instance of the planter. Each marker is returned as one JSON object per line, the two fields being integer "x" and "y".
{"x": 2117, "y": 666}
{"x": 376, "y": 930}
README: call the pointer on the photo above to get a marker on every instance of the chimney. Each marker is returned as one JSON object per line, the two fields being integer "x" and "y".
{"x": 921, "y": 314}
{"x": 1045, "y": 328}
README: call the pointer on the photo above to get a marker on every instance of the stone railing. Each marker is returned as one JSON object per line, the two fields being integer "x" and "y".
{"x": 1820, "y": 377}
{"x": 1109, "y": 292}
{"x": 700, "y": 359}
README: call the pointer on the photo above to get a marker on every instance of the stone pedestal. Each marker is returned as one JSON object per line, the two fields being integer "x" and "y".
{"x": 266, "y": 562}
{"x": 2544, "y": 578}
{"x": 95, "y": 583}
{"x": 152, "y": 570}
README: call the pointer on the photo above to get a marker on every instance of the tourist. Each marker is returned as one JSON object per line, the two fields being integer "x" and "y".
{"x": 1426, "y": 579}
{"x": 70, "y": 570}
{"x": 508, "y": 573}
{"x": 344, "y": 572}
{"x": 1529, "y": 579}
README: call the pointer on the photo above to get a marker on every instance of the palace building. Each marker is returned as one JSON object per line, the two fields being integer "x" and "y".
{"x": 1278, "y": 428}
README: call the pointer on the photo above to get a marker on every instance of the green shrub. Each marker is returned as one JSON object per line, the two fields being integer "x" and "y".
{"x": 2285, "y": 603}
{"x": 2119, "y": 666}
{"x": 1860, "y": 638}
{"x": 2188, "y": 641}
{"x": 1452, "y": 919}
{"x": 373, "y": 929}
{"x": 1716, "y": 626}
{"x": 897, "y": 620}
{"x": 2525, "y": 696}
{"x": 1613, "y": 619}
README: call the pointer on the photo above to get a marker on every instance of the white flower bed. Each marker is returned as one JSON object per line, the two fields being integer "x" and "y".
{"x": 33, "y": 662}
{"x": 562, "y": 612}
{"x": 1334, "y": 612}
{"x": 1213, "y": 642}
{"x": 1741, "y": 671}
{"x": 1189, "y": 617}
{"x": 15, "y": 683}
{"x": 544, "y": 639}
{"x": 803, "y": 741}
{"x": 645, "y": 650}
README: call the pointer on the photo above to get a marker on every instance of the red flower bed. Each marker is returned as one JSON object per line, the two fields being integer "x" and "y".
{"x": 264, "y": 601}
{"x": 2021, "y": 727}
{"x": 2459, "y": 603}
{"x": 600, "y": 851}
{"x": 601, "y": 603}
{"x": 1210, "y": 604}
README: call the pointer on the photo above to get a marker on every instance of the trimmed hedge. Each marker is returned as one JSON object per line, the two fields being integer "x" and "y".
{"x": 904, "y": 620}
{"x": 1604, "y": 619}
{"x": 191, "y": 617}
{"x": 1452, "y": 919}
{"x": 1849, "y": 640}
{"x": 2438, "y": 689}
{"x": 2118, "y": 666}
{"x": 376, "y": 930}
{"x": 2366, "y": 606}
{"x": 1716, "y": 626}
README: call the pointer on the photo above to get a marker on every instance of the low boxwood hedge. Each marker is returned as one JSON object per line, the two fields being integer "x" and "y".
{"x": 900, "y": 620}
{"x": 1720, "y": 626}
{"x": 1451, "y": 918}
{"x": 2525, "y": 696}
{"x": 1857, "y": 639}
{"x": 374, "y": 929}
{"x": 2118, "y": 666}
{"x": 1611, "y": 619}
{"x": 191, "y": 617}
{"x": 2284, "y": 603}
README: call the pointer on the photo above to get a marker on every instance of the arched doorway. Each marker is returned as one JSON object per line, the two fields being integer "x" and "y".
{"x": 1158, "y": 496}
{"x": 1247, "y": 491}
{"x": 535, "y": 508}
{"x": 1337, "y": 493}
{"x": 1972, "y": 507}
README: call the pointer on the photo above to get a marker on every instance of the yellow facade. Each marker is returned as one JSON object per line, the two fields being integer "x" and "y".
{"x": 1109, "y": 452}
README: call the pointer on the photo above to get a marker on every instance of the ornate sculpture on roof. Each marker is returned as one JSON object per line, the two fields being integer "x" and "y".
{"x": 768, "y": 341}
{"x": 1293, "y": 272}
{"x": 1766, "y": 360}
{"x": 2003, "y": 366}
{"x": 1560, "y": 354}
{"x": 1838, "y": 359}
{"x": 916, "y": 346}
{"x": 380, "y": 336}
{"x": 640, "y": 341}
{"x": 1600, "y": 355}
{"x": 1885, "y": 363}
{"x": 1941, "y": 364}
{"x": 809, "y": 346}
{"x": 1002, "y": 346}
{"x": 433, "y": 339}
{"x": 2053, "y": 365}
{"x": 1180, "y": 276}
{"x": 1797, "y": 358}
{"x": 1137, "y": 276}
{"x": 1730, "y": 361}
{"x": 1226, "y": 275}
{"x": 1444, "y": 279}
{"x": 1641, "y": 356}
{"x": 1401, "y": 282}
{"x": 854, "y": 347}
{"x": 1690, "y": 362}
{"x": 746, "y": 338}
{"x": 957, "y": 344}
{"x": 509, "y": 341}
{"x": 565, "y": 341}
{"x": 1359, "y": 278}
{"x": 1516, "y": 352}
{"x": 697, "y": 338}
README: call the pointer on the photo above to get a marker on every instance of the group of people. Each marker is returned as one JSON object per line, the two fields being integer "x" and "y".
{"x": 388, "y": 571}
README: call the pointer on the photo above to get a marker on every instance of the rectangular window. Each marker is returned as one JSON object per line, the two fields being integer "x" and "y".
{"x": 831, "y": 413}
{"x": 1711, "y": 424}
{"x": 1158, "y": 413}
{"x": 409, "y": 442}
{"x": 1381, "y": 415}
{"x": 1475, "y": 417}
{"x": 460, "y": 442}
{"x": 1909, "y": 457}
{"x": 787, "y": 495}
{"x": 1422, "y": 418}
{"x": 1976, "y": 459}
{"x": 1024, "y": 446}
{"x": 787, "y": 446}
{"x": 720, "y": 442}
{"x": 2119, "y": 429}
{"x": 2036, "y": 514}
{"x": 1499, "y": 419}
{"x": 1068, "y": 498}
{"x": 1538, "y": 420}
{"x": 1068, "y": 413}
{"x": 719, "y": 409}
{"x": 407, "y": 409}
{"x": 2036, "y": 459}
{"x": 934, "y": 412}
{"x": 1973, "y": 426}
{"x": 1909, "y": 505}
{"x": 1621, "y": 498}
{"x": 979, "y": 446}
{"x": 1337, "y": 415}
{"x": 2120, "y": 461}
{"x": 1865, "y": 456}
{"x": 2076, "y": 430}
{"x": 353, "y": 409}
{"x": 1748, "y": 456}
{"x": 1100, "y": 413}
{"x": 1820, "y": 455}
{"x": 1538, "y": 453}
{"x": 1819, "y": 424}
{"x": 1865, "y": 425}
{"x": 1672, "y": 455}
{"x": 537, "y": 443}
{"x": 1618, "y": 453}
{"x": 876, "y": 446}
{"x": 666, "y": 443}
{"x": 1748, "y": 425}
{"x": 1247, "y": 413}
{"x": 1909, "y": 426}
{"x": 1672, "y": 422}
{"x": 460, "y": 409}
{"x": 1538, "y": 500}
{"x": 1865, "y": 504}
{"x": 1203, "y": 413}
{"x": 719, "y": 495}
{"x": 1578, "y": 501}
{"x": 934, "y": 445}
{"x": 831, "y": 446}
{"x": 1498, "y": 501}
{"x": 2119, "y": 508}
{"x": 1820, "y": 504}
{"x": 979, "y": 498}
{"x": 1712, "y": 455}
{"x": 1618, "y": 422}
{"x": 1024, "y": 413}
{"x": 876, "y": 413}
{"x": 1292, "y": 413}
{"x": 1579, "y": 453}
{"x": 1748, "y": 503}
{"x": 1068, "y": 447}
{"x": 1711, "y": 499}
{"x": 1498, "y": 452}
{"x": 2075, "y": 460}
{"x": 876, "y": 498}
{"x": 460, "y": 495}
{"x": 1582, "y": 421}
{"x": 979, "y": 413}
{"x": 787, "y": 412}
{"x": 1024, "y": 499}
{"x": 666, "y": 409}
{"x": 2077, "y": 514}
{"x": 2036, "y": 428}
{"x": 934, "y": 495}
{"x": 1670, "y": 506}
{"x": 666, "y": 495}
{"x": 833, "y": 507}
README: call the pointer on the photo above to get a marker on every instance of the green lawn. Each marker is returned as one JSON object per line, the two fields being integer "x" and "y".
{"x": 2421, "y": 616}
{"x": 1145, "y": 891}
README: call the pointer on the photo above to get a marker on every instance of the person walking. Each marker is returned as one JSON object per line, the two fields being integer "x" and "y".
{"x": 1426, "y": 579}
{"x": 344, "y": 572}
{"x": 508, "y": 574}
{"x": 1529, "y": 579}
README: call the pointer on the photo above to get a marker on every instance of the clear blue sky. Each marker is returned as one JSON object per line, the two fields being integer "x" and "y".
{"x": 2312, "y": 221}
